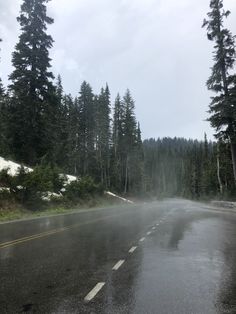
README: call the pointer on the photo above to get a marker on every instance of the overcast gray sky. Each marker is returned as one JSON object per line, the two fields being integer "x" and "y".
{"x": 156, "y": 48}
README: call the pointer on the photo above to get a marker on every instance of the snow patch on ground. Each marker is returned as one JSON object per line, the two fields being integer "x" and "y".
{"x": 48, "y": 196}
{"x": 70, "y": 178}
{"x": 13, "y": 168}
{"x": 119, "y": 197}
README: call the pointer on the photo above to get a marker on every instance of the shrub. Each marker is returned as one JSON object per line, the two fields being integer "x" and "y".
{"x": 5, "y": 178}
{"x": 82, "y": 189}
{"x": 28, "y": 187}
{"x": 44, "y": 178}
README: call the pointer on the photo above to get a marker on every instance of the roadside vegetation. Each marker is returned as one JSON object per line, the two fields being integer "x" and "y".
{"x": 100, "y": 142}
{"x": 46, "y": 191}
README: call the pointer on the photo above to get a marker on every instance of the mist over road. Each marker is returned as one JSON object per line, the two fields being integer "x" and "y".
{"x": 174, "y": 256}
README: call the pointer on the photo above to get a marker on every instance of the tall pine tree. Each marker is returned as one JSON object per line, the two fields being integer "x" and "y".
{"x": 87, "y": 164}
{"x": 222, "y": 81}
{"x": 1, "y": 86}
{"x": 3, "y": 119}
{"x": 103, "y": 135}
{"x": 117, "y": 139}
{"x": 33, "y": 102}
{"x": 129, "y": 139}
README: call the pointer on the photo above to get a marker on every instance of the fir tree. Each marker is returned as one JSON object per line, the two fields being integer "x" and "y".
{"x": 73, "y": 146}
{"x": 4, "y": 117}
{"x": 103, "y": 135}
{"x": 61, "y": 126}
{"x": 1, "y": 86}
{"x": 222, "y": 81}
{"x": 31, "y": 88}
{"x": 86, "y": 134}
{"x": 117, "y": 132}
{"x": 137, "y": 166}
{"x": 129, "y": 139}
{"x": 117, "y": 139}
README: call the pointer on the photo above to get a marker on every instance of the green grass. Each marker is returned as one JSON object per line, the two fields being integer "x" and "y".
{"x": 12, "y": 214}
{"x": 15, "y": 212}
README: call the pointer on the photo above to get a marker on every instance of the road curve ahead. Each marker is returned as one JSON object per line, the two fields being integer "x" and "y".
{"x": 167, "y": 257}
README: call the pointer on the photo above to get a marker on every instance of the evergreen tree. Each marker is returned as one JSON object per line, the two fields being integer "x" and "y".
{"x": 117, "y": 125}
{"x": 61, "y": 126}
{"x": 1, "y": 86}
{"x": 137, "y": 166}
{"x": 117, "y": 139}
{"x": 59, "y": 89}
{"x": 72, "y": 147}
{"x": 127, "y": 150}
{"x": 225, "y": 175}
{"x": 33, "y": 95}
{"x": 87, "y": 140}
{"x": 129, "y": 140}
{"x": 222, "y": 81}
{"x": 3, "y": 119}
{"x": 205, "y": 167}
{"x": 103, "y": 135}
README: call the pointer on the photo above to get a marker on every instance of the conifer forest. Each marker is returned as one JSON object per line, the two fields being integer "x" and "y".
{"x": 92, "y": 135}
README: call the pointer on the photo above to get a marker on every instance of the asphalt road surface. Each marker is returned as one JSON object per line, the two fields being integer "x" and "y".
{"x": 165, "y": 257}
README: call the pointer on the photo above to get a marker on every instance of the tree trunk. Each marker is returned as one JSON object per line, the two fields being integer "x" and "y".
{"x": 218, "y": 170}
{"x": 233, "y": 154}
{"x": 126, "y": 175}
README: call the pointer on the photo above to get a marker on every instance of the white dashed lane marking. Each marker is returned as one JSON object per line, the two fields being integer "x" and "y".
{"x": 118, "y": 264}
{"x": 94, "y": 292}
{"x": 133, "y": 249}
{"x": 100, "y": 285}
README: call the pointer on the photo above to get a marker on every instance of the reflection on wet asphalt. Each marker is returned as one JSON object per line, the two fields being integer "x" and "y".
{"x": 187, "y": 264}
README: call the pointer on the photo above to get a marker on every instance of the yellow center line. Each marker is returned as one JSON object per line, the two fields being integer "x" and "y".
{"x": 54, "y": 231}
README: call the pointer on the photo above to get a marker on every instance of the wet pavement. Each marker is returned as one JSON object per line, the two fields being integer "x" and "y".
{"x": 165, "y": 257}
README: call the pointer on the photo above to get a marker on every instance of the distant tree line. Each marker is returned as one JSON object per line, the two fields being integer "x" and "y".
{"x": 188, "y": 168}
{"x": 87, "y": 135}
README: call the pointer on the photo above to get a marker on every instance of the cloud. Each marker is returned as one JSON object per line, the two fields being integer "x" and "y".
{"x": 155, "y": 47}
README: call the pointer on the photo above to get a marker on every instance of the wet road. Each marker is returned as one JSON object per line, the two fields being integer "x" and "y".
{"x": 165, "y": 257}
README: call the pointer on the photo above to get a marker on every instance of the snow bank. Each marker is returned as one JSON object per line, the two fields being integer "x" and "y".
{"x": 13, "y": 168}
{"x": 119, "y": 197}
{"x": 70, "y": 178}
{"x": 4, "y": 189}
{"x": 48, "y": 196}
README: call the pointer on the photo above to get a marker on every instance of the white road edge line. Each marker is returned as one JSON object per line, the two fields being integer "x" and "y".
{"x": 94, "y": 292}
{"x": 149, "y": 232}
{"x": 118, "y": 264}
{"x": 142, "y": 239}
{"x": 132, "y": 249}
